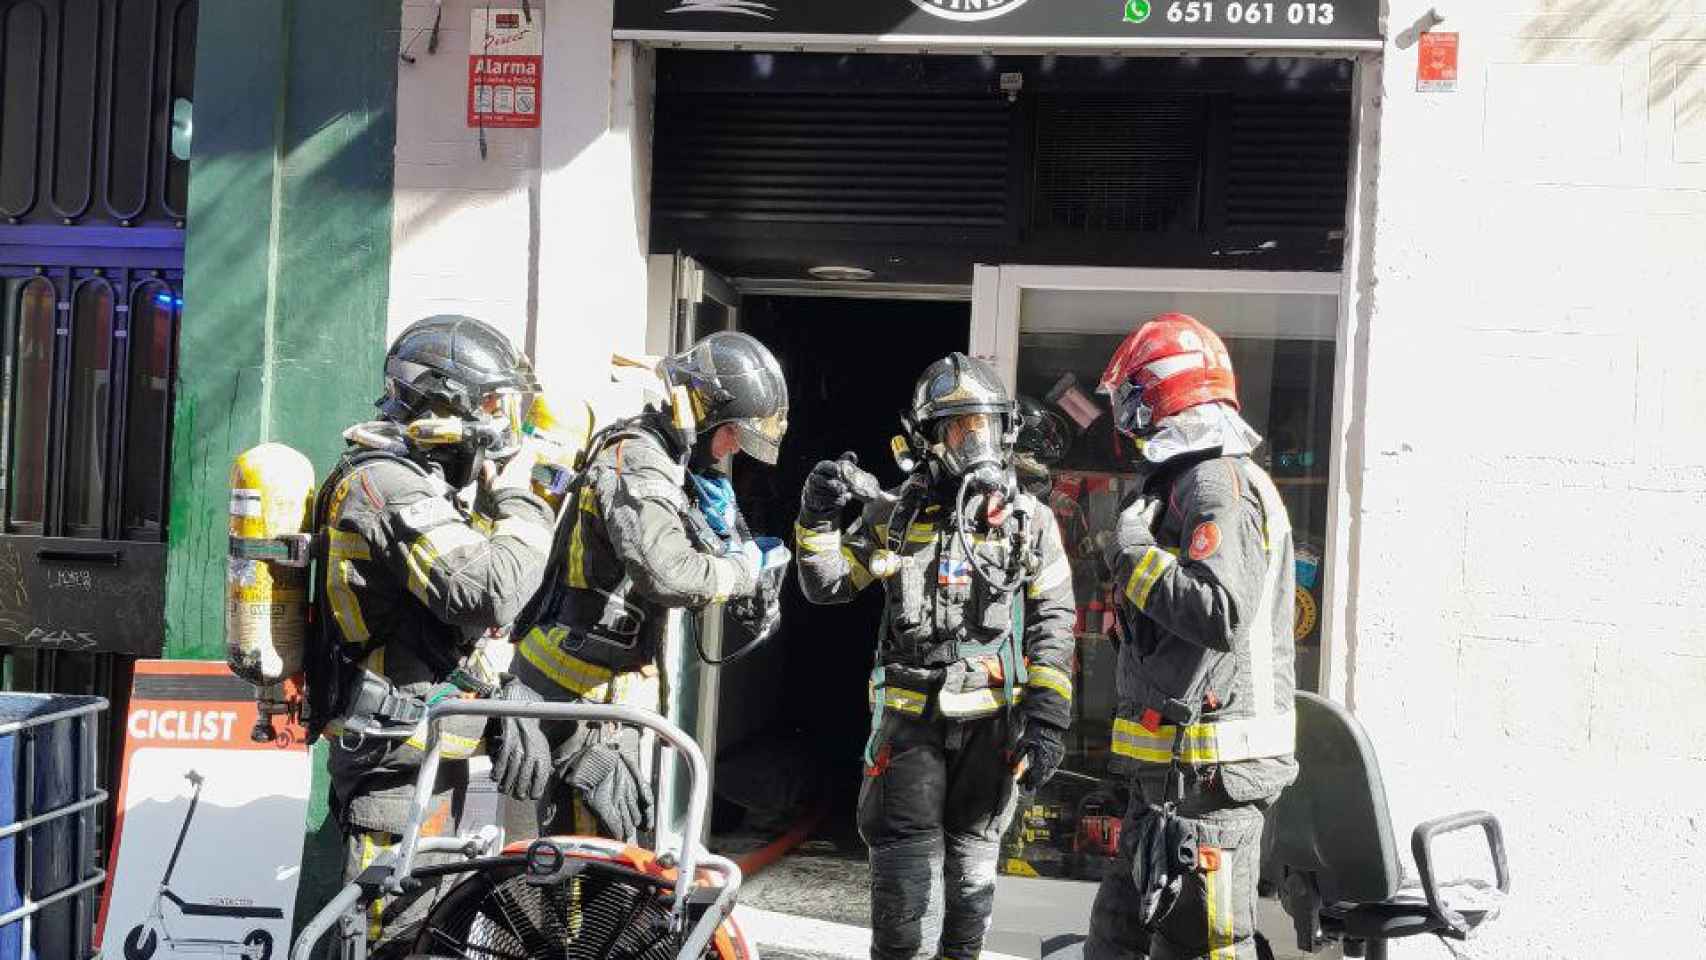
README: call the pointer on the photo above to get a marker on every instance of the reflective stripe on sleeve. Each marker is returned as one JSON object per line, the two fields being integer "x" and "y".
{"x": 1144, "y": 576}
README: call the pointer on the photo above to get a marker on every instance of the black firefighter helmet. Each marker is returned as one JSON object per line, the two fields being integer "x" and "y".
{"x": 451, "y": 365}
{"x": 730, "y": 377}
{"x": 962, "y": 414}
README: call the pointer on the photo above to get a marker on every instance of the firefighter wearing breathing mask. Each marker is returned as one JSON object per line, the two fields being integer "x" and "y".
{"x": 650, "y": 526}
{"x": 972, "y": 689}
{"x": 415, "y": 584}
{"x": 1204, "y": 729}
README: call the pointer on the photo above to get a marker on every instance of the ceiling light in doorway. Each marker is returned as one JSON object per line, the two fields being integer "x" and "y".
{"x": 840, "y": 273}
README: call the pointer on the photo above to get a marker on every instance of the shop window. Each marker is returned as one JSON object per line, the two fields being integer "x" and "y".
{"x": 88, "y": 409}
{"x": 1282, "y": 346}
{"x": 31, "y": 362}
{"x": 148, "y": 406}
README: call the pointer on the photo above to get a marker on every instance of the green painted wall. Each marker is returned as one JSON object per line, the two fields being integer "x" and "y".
{"x": 287, "y": 261}
{"x": 286, "y": 278}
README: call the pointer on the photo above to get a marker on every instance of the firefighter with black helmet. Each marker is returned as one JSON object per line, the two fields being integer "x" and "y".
{"x": 972, "y": 688}
{"x": 651, "y": 525}
{"x": 414, "y": 583}
{"x": 1205, "y": 728}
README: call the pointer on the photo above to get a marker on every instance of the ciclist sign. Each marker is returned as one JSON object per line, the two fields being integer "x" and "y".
{"x": 1327, "y": 24}
{"x": 505, "y": 65}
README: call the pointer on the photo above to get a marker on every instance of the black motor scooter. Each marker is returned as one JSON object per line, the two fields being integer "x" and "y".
{"x": 146, "y": 937}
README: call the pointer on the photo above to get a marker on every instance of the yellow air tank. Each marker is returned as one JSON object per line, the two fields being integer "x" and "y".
{"x": 266, "y": 579}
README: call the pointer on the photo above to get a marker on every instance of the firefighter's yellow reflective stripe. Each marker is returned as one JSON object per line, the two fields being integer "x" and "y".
{"x": 856, "y": 571}
{"x": 900, "y": 698}
{"x": 1217, "y": 897}
{"x": 1227, "y": 741}
{"x": 545, "y": 651}
{"x": 575, "y": 574}
{"x": 343, "y": 549}
{"x": 1050, "y": 678}
{"x": 482, "y": 523}
{"x": 976, "y": 703}
{"x": 1057, "y": 572}
{"x": 451, "y": 746}
{"x": 1149, "y": 569}
{"x": 425, "y": 550}
{"x": 814, "y": 541}
{"x": 535, "y": 535}
{"x": 373, "y": 844}
{"x": 917, "y": 533}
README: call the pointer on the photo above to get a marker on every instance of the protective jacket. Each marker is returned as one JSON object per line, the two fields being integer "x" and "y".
{"x": 412, "y": 582}
{"x": 631, "y": 546}
{"x": 1206, "y": 617}
{"x": 939, "y": 614}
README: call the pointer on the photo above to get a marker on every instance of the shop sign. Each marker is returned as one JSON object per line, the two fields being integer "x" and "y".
{"x": 1112, "y": 23}
{"x": 505, "y": 66}
{"x": 1436, "y": 63}
{"x": 207, "y": 837}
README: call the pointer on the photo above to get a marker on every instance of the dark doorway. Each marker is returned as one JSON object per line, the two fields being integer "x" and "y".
{"x": 797, "y": 712}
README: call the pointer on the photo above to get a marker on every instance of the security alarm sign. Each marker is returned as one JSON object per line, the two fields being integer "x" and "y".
{"x": 505, "y": 65}
{"x": 1436, "y": 63}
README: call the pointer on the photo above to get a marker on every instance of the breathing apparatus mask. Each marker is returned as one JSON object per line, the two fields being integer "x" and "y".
{"x": 461, "y": 442}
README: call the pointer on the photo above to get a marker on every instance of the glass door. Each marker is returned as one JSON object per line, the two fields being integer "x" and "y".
{"x": 1050, "y": 331}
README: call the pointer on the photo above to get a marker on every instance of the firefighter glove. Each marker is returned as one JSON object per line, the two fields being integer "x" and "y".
{"x": 603, "y": 766}
{"x": 1134, "y": 532}
{"x": 826, "y": 492}
{"x": 1041, "y": 749}
{"x": 522, "y": 764}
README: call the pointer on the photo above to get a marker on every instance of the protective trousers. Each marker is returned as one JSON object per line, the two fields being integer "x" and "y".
{"x": 933, "y": 807}
{"x": 1214, "y": 917}
{"x": 397, "y": 918}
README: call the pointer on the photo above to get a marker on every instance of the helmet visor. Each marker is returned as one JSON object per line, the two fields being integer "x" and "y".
{"x": 1131, "y": 415}
{"x": 968, "y": 440}
{"x": 501, "y": 411}
{"x": 761, "y": 437}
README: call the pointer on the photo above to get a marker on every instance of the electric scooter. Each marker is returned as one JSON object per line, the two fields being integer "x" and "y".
{"x": 551, "y": 898}
{"x": 146, "y": 937}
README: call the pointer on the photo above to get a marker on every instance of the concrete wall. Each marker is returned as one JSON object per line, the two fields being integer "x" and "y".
{"x": 1526, "y": 627}
{"x": 545, "y": 236}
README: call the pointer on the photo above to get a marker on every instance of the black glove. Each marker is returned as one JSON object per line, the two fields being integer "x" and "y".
{"x": 603, "y": 767}
{"x": 825, "y": 493}
{"x": 522, "y": 765}
{"x": 1040, "y": 750}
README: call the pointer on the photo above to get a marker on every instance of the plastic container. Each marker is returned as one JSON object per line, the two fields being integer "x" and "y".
{"x": 49, "y": 808}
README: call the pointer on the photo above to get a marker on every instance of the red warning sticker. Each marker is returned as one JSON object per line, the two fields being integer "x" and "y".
{"x": 1205, "y": 540}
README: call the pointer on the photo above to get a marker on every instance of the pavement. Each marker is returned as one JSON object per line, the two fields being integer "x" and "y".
{"x": 815, "y": 905}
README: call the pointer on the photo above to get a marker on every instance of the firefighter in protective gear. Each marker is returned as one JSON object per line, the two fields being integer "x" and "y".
{"x": 413, "y": 583}
{"x": 972, "y": 687}
{"x": 649, "y": 526}
{"x": 1204, "y": 730}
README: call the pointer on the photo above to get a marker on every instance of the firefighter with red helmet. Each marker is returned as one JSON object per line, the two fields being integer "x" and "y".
{"x": 1204, "y": 728}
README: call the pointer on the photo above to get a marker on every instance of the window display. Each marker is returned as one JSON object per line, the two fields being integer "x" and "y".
{"x": 1285, "y": 380}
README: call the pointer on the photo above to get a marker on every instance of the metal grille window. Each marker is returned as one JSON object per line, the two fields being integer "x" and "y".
{"x": 30, "y": 403}
{"x": 86, "y": 459}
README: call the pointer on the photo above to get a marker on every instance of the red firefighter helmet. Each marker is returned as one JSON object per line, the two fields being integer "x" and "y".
{"x": 1169, "y": 364}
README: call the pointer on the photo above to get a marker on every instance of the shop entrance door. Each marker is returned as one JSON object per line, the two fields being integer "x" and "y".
{"x": 701, "y": 302}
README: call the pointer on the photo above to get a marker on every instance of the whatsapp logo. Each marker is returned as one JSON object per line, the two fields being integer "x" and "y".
{"x": 1136, "y": 11}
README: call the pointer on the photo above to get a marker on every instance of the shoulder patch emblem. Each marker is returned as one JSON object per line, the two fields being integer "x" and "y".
{"x": 1205, "y": 540}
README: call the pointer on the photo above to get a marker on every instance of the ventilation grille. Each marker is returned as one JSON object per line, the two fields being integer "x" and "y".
{"x": 916, "y": 160}
{"x": 1118, "y": 164}
{"x": 1286, "y": 163}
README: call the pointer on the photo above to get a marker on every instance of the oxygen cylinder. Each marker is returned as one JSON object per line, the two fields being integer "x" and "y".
{"x": 266, "y": 579}
{"x": 558, "y": 440}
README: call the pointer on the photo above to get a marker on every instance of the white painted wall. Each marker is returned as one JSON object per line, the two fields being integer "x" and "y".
{"x": 545, "y": 237}
{"x": 1527, "y": 618}
{"x": 461, "y": 235}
